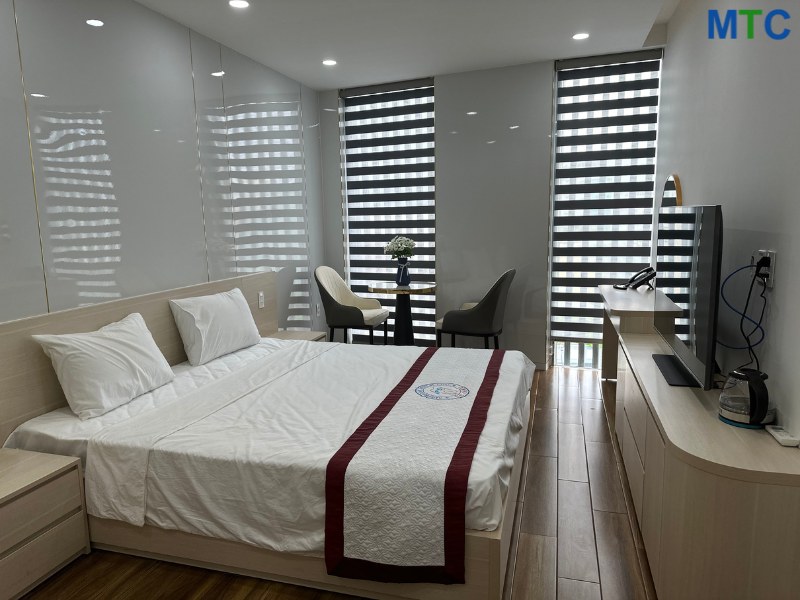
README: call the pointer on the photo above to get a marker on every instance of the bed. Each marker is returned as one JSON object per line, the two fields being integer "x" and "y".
{"x": 316, "y": 397}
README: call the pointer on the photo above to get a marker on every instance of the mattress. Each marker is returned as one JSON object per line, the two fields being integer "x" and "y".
{"x": 254, "y": 470}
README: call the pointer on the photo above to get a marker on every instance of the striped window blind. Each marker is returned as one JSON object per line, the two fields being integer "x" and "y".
{"x": 605, "y": 148}
{"x": 389, "y": 186}
{"x": 675, "y": 257}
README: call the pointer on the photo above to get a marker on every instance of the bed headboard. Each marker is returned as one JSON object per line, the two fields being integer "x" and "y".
{"x": 28, "y": 384}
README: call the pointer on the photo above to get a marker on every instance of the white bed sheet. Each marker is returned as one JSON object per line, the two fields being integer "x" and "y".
{"x": 254, "y": 471}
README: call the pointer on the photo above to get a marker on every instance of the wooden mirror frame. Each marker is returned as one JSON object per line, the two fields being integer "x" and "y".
{"x": 672, "y": 184}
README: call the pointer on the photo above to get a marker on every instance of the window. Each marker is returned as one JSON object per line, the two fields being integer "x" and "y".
{"x": 389, "y": 185}
{"x": 605, "y": 148}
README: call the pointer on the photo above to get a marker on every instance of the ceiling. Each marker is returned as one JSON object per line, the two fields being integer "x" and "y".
{"x": 375, "y": 41}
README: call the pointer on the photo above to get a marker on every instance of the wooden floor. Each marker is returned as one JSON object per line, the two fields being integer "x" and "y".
{"x": 573, "y": 538}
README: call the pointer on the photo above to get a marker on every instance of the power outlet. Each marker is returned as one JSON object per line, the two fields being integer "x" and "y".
{"x": 260, "y": 299}
{"x": 769, "y": 271}
{"x": 318, "y": 312}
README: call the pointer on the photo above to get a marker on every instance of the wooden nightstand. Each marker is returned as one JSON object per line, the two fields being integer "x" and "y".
{"x": 42, "y": 517}
{"x": 311, "y": 336}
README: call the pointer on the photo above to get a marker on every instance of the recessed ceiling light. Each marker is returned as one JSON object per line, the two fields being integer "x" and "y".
{"x": 329, "y": 62}
{"x": 454, "y": 132}
{"x": 35, "y": 95}
{"x": 95, "y": 23}
{"x": 513, "y": 127}
{"x": 580, "y": 36}
{"x": 156, "y": 131}
{"x": 218, "y": 73}
{"x": 472, "y": 112}
{"x": 491, "y": 141}
{"x": 329, "y": 109}
{"x": 239, "y": 3}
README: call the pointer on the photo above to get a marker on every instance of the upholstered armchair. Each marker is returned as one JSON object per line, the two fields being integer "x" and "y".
{"x": 479, "y": 319}
{"x": 345, "y": 310}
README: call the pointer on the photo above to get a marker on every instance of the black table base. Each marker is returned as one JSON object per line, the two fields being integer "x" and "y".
{"x": 403, "y": 327}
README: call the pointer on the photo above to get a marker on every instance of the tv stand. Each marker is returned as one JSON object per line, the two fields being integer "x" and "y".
{"x": 673, "y": 371}
{"x": 629, "y": 311}
{"x": 717, "y": 505}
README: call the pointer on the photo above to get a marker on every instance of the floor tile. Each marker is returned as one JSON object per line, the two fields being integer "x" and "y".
{"x": 535, "y": 573}
{"x": 571, "y": 589}
{"x": 604, "y": 481}
{"x": 539, "y": 514}
{"x": 595, "y": 426}
{"x": 617, "y": 557}
{"x": 577, "y": 557}
{"x": 571, "y": 453}
{"x": 544, "y": 435}
{"x": 569, "y": 405}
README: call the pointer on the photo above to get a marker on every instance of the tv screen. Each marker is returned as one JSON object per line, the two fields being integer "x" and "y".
{"x": 688, "y": 257}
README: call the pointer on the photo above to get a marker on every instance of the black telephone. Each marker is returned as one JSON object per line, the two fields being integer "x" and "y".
{"x": 646, "y": 275}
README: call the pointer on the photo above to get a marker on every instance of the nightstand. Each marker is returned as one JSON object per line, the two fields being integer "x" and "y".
{"x": 42, "y": 517}
{"x": 311, "y": 336}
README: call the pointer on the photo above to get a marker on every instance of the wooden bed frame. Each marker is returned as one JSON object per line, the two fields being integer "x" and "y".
{"x": 29, "y": 387}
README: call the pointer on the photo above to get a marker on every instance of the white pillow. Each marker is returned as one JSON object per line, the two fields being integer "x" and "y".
{"x": 211, "y": 326}
{"x": 104, "y": 369}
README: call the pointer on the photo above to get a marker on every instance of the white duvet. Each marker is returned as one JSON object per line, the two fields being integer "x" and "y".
{"x": 237, "y": 449}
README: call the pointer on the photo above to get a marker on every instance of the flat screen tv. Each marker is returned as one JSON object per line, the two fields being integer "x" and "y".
{"x": 688, "y": 259}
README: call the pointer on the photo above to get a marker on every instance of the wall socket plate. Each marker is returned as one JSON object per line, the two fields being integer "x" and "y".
{"x": 770, "y": 271}
{"x": 260, "y": 299}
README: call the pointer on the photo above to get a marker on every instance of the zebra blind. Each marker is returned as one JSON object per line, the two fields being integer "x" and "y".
{"x": 388, "y": 146}
{"x": 605, "y": 148}
{"x": 676, "y": 256}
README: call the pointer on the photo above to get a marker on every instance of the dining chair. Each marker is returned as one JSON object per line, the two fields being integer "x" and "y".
{"x": 479, "y": 319}
{"x": 346, "y": 310}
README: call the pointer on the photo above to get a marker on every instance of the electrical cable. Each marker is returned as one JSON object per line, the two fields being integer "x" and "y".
{"x": 762, "y": 262}
{"x": 750, "y": 352}
{"x": 757, "y": 324}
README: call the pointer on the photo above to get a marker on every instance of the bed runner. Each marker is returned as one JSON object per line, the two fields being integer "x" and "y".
{"x": 396, "y": 490}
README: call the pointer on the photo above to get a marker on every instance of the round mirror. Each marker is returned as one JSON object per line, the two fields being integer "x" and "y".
{"x": 671, "y": 196}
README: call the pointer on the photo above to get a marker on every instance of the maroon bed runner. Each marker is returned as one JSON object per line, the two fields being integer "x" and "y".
{"x": 455, "y": 488}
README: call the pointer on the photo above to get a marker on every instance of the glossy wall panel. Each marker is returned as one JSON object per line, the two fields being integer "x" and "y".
{"x": 212, "y": 138}
{"x": 493, "y": 194}
{"x": 115, "y": 149}
{"x": 267, "y": 175}
{"x": 22, "y": 287}
{"x": 313, "y": 184}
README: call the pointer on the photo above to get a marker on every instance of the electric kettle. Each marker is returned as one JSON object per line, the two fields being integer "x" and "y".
{"x": 744, "y": 401}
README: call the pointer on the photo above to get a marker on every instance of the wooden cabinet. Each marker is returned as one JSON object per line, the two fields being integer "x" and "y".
{"x": 652, "y": 500}
{"x": 718, "y": 506}
{"x": 619, "y": 410}
{"x": 42, "y": 517}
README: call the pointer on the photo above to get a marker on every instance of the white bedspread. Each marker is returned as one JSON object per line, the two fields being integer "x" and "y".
{"x": 249, "y": 464}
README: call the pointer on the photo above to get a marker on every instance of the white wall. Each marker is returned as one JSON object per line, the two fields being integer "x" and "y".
{"x": 22, "y": 290}
{"x": 492, "y": 200}
{"x": 333, "y": 242}
{"x": 119, "y": 202}
{"x": 150, "y": 172}
{"x": 729, "y": 127}
{"x": 313, "y": 182}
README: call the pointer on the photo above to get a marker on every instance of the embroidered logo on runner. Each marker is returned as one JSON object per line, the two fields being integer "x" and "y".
{"x": 442, "y": 391}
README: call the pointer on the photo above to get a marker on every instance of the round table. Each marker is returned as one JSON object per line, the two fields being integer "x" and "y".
{"x": 403, "y": 327}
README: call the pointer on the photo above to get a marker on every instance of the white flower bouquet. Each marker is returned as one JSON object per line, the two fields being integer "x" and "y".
{"x": 400, "y": 247}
